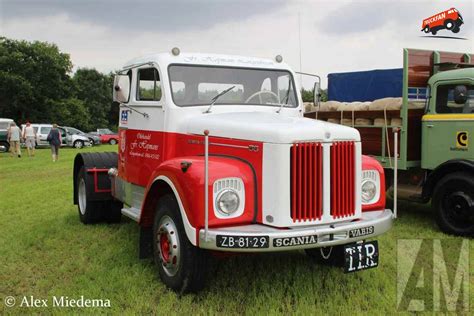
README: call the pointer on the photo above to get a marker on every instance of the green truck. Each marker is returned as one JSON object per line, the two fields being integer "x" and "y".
{"x": 435, "y": 150}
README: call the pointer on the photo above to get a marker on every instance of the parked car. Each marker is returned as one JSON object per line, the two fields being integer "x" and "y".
{"x": 93, "y": 138}
{"x": 4, "y": 124}
{"x": 107, "y": 136}
{"x": 69, "y": 140}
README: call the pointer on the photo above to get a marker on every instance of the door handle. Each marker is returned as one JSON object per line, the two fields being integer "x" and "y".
{"x": 430, "y": 125}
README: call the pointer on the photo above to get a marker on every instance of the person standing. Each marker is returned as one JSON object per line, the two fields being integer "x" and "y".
{"x": 29, "y": 135}
{"x": 14, "y": 139}
{"x": 54, "y": 139}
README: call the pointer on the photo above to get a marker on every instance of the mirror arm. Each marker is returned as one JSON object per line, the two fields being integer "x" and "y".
{"x": 145, "y": 115}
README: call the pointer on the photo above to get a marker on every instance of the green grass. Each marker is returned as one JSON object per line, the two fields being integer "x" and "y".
{"x": 46, "y": 251}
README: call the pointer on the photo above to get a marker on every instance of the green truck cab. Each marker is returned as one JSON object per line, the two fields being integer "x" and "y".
{"x": 435, "y": 154}
{"x": 449, "y": 120}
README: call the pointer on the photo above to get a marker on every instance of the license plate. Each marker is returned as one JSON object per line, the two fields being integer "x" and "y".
{"x": 242, "y": 241}
{"x": 361, "y": 256}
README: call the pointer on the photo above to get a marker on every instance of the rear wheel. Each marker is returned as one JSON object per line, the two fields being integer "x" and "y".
{"x": 426, "y": 29}
{"x": 181, "y": 266}
{"x": 332, "y": 256}
{"x": 112, "y": 212}
{"x": 455, "y": 29}
{"x": 113, "y": 141}
{"x": 453, "y": 203}
{"x": 89, "y": 211}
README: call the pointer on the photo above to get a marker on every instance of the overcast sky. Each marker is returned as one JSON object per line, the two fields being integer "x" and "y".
{"x": 335, "y": 35}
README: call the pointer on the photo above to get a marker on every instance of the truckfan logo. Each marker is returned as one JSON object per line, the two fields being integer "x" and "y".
{"x": 462, "y": 139}
{"x": 450, "y": 19}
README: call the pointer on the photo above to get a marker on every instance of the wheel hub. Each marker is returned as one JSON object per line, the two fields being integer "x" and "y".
{"x": 82, "y": 198}
{"x": 168, "y": 245}
{"x": 460, "y": 206}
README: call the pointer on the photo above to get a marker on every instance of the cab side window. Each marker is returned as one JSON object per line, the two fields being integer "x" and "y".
{"x": 445, "y": 100}
{"x": 149, "y": 85}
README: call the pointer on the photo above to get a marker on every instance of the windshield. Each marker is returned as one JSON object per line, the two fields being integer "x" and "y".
{"x": 74, "y": 131}
{"x": 198, "y": 85}
{"x": 4, "y": 125}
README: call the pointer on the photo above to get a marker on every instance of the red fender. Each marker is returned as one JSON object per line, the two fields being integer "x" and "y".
{"x": 189, "y": 185}
{"x": 369, "y": 163}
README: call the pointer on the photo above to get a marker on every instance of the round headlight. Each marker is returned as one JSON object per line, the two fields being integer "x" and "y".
{"x": 228, "y": 202}
{"x": 369, "y": 190}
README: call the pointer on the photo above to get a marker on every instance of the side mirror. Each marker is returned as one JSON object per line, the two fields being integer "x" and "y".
{"x": 460, "y": 94}
{"x": 316, "y": 93}
{"x": 121, "y": 88}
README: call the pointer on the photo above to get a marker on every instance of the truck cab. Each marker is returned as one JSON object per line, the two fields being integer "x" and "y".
{"x": 215, "y": 155}
{"x": 448, "y": 121}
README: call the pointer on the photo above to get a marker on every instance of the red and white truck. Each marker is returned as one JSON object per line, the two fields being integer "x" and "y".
{"x": 215, "y": 155}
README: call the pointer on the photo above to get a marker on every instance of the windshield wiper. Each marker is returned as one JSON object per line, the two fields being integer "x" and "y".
{"x": 287, "y": 97}
{"x": 214, "y": 99}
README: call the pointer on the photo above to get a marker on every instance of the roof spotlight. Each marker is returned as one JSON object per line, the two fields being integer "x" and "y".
{"x": 278, "y": 58}
{"x": 175, "y": 51}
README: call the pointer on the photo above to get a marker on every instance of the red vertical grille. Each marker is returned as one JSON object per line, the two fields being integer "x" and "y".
{"x": 342, "y": 179}
{"x": 306, "y": 181}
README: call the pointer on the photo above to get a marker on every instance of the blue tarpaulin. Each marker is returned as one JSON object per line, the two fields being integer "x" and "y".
{"x": 365, "y": 85}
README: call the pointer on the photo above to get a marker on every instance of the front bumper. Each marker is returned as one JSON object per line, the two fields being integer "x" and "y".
{"x": 371, "y": 224}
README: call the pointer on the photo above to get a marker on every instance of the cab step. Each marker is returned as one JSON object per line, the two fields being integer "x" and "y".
{"x": 132, "y": 213}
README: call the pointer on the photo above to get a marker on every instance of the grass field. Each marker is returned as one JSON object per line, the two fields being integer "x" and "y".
{"x": 45, "y": 251}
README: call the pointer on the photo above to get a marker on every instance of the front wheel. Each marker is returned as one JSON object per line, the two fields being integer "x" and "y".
{"x": 181, "y": 266}
{"x": 449, "y": 24}
{"x": 4, "y": 147}
{"x": 113, "y": 141}
{"x": 434, "y": 32}
{"x": 332, "y": 256}
{"x": 453, "y": 204}
{"x": 78, "y": 144}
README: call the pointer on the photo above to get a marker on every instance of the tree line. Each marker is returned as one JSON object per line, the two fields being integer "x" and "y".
{"x": 37, "y": 85}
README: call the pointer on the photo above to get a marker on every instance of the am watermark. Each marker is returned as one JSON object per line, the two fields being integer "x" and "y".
{"x": 433, "y": 275}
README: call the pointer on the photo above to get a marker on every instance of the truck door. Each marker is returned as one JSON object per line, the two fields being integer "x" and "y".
{"x": 141, "y": 127}
{"x": 448, "y": 130}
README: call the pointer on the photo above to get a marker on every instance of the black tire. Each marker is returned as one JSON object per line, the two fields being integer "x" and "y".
{"x": 434, "y": 32}
{"x": 331, "y": 256}
{"x": 112, "y": 212}
{"x": 112, "y": 141}
{"x": 78, "y": 144}
{"x": 4, "y": 147}
{"x": 455, "y": 29}
{"x": 426, "y": 29}
{"x": 453, "y": 204}
{"x": 449, "y": 24}
{"x": 182, "y": 267}
{"x": 91, "y": 141}
{"x": 90, "y": 212}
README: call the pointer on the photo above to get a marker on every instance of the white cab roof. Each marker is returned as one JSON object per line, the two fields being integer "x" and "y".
{"x": 164, "y": 59}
